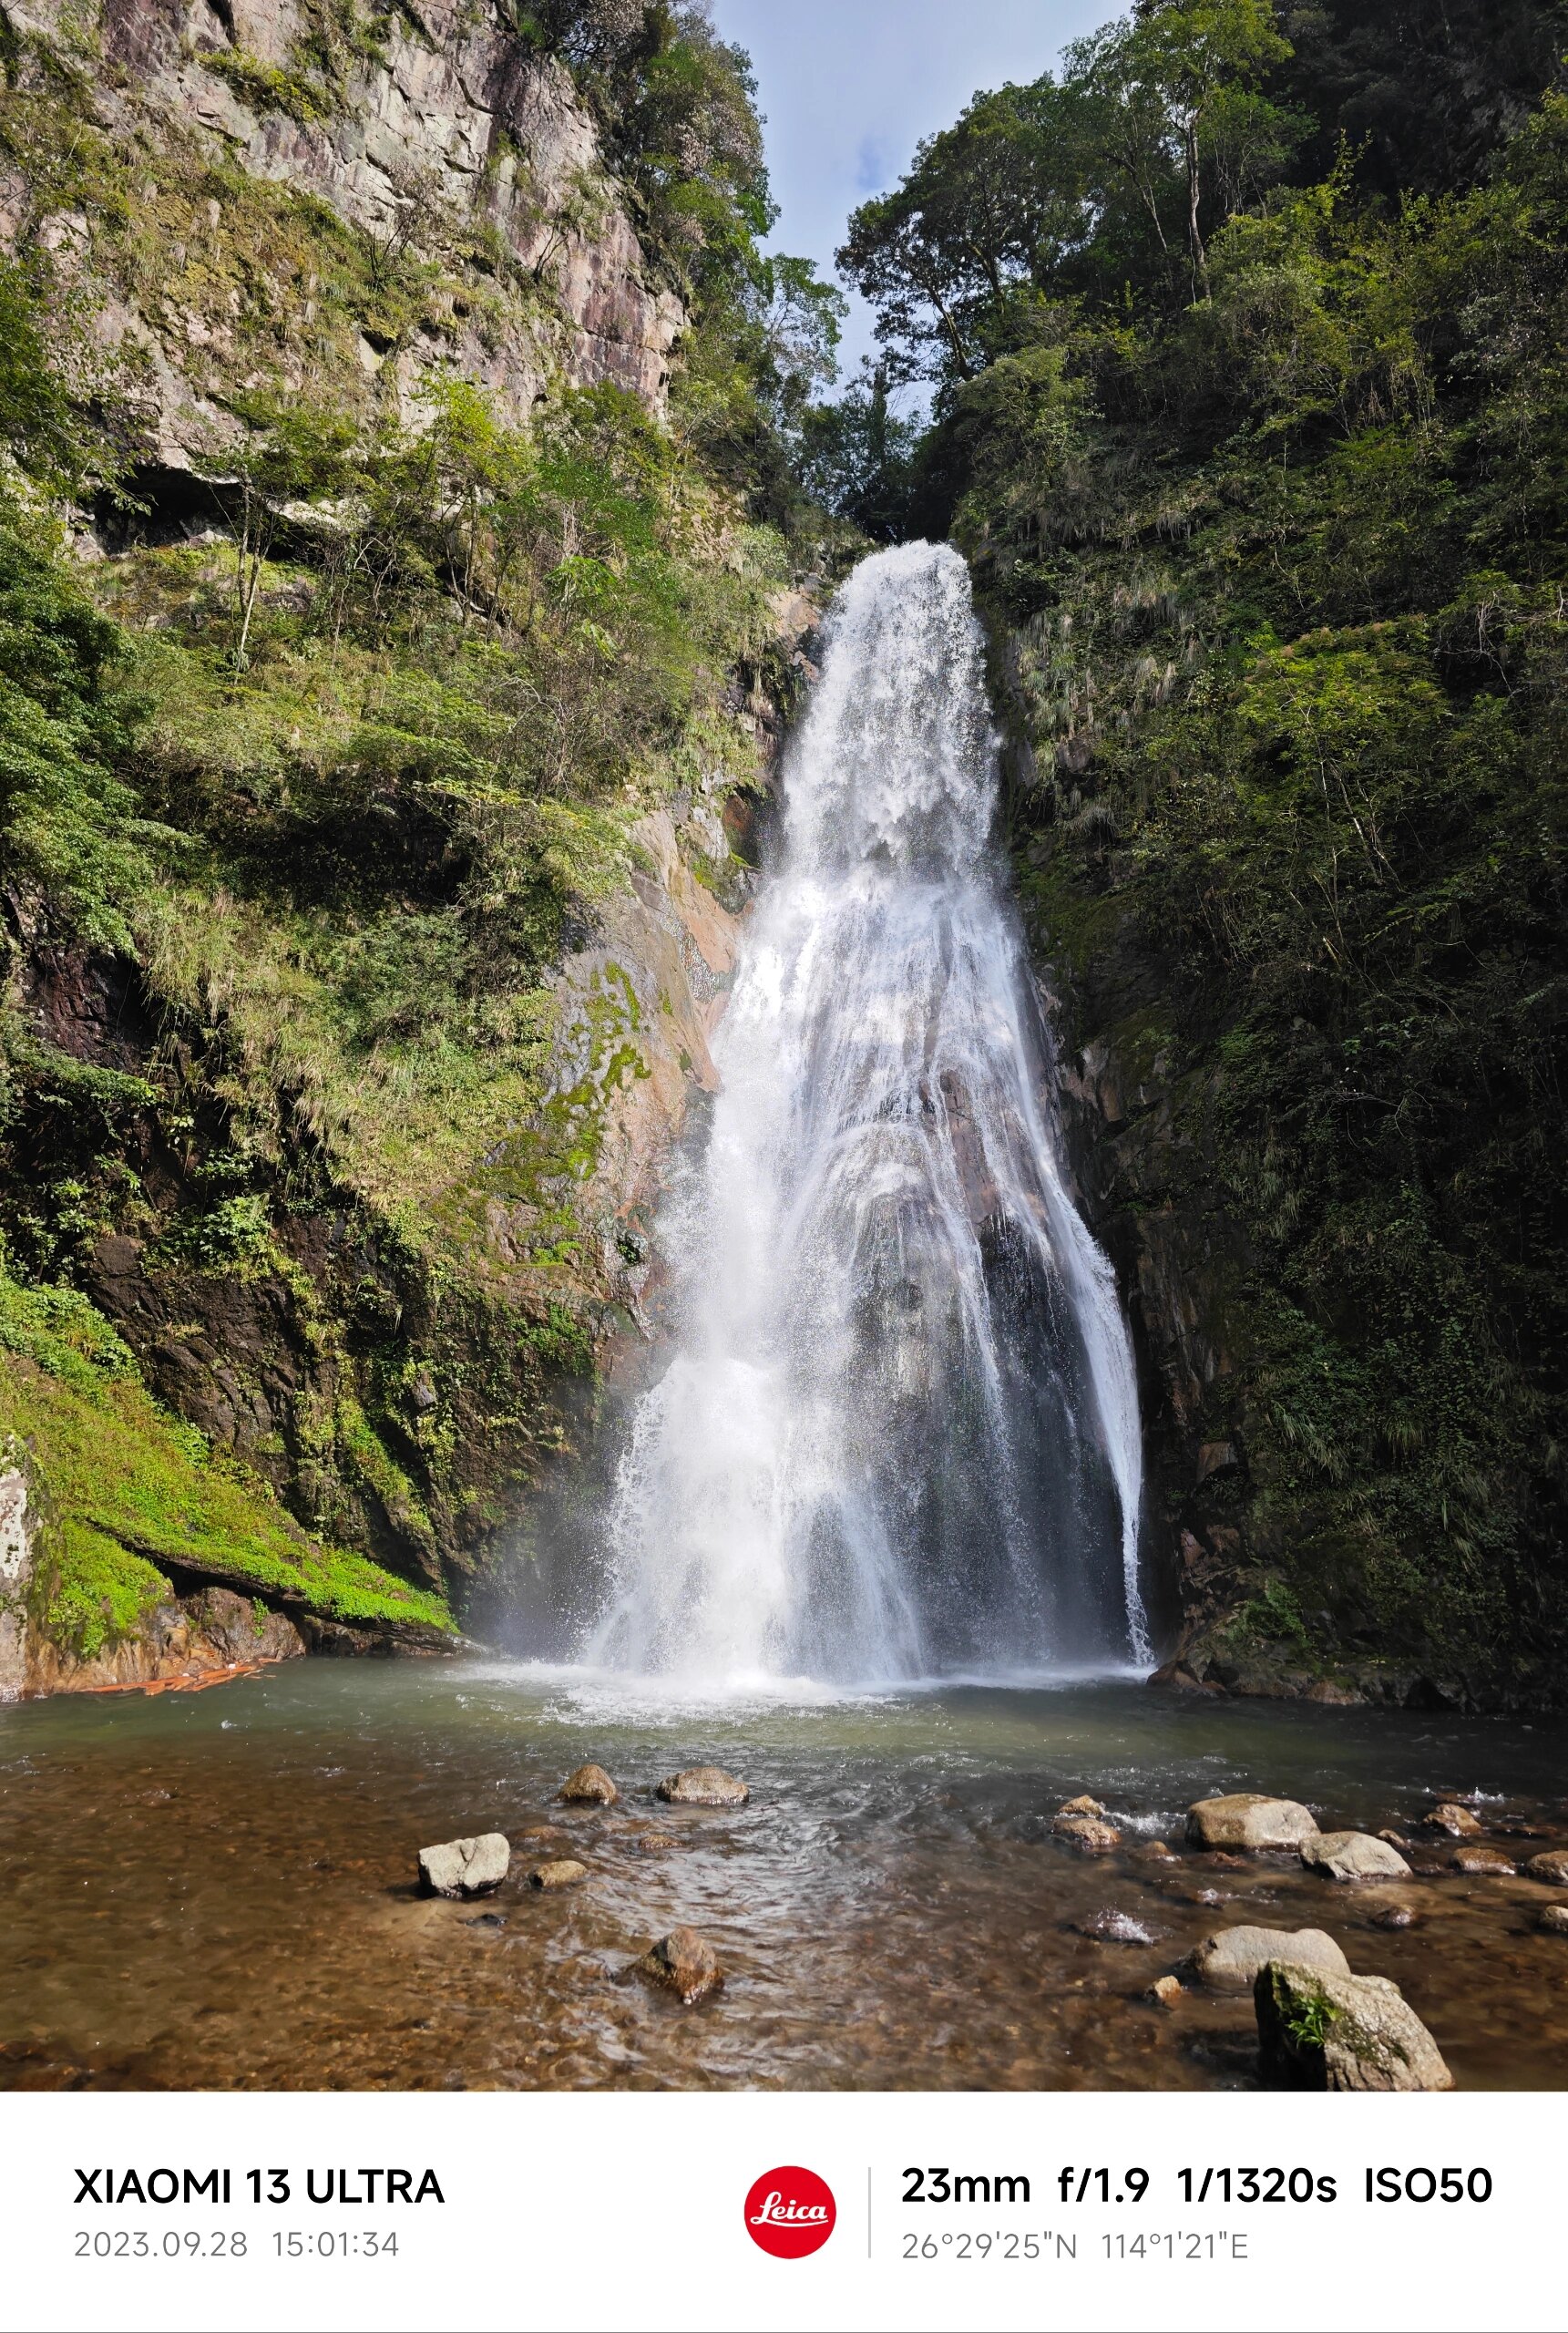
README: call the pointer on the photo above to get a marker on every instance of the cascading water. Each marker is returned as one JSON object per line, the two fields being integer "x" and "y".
{"x": 898, "y": 1437}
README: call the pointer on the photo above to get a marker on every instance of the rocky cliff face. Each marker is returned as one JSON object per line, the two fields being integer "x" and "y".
{"x": 428, "y": 128}
{"x": 363, "y": 208}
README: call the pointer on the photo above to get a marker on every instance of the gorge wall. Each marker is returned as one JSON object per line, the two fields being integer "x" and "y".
{"x": 428, "y": 670}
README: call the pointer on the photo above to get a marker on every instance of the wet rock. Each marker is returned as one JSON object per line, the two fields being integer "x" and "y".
{"x": 684, "y": 1963}
{"x": 1457, "y": 1821}
{"x": 1083, "y": 1805}
{"x": 1394, "y": 1839}
{"x": 653, "y": 1843}
{"x": 1483, "y": 1862}
{"x": 1554, "y": 1920}
{"x": 589, "y": 1786}
{"x": 1337, "y": 1696}
{"x": 564, "y": 1873}
{"x": 1176, "y": 1674}
{"x": 1156, "y": 1851}
{"x": 1353, "y": 1854}
{"x": 465, "y": 1867}
{"x": 488, "y": 1921}
{"x": 1166, "y": 1990}
{"x": 1318, "y": 2029}
{"x": 1229, "y": 1960}
{"x": 1087, "y": 1833}
{"x": 703, "y": 1786}
{"x": 1245, "y": 1819}
{"x": 1552, "y": 1867}
{"x": 1113, "y": 1926}
{"x": 1394, "y": 1916}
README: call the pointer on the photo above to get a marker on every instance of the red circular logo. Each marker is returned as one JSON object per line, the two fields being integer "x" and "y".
{"x": 790, "y": 2211}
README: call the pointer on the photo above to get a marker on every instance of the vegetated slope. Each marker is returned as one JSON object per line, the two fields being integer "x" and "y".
{"x": 379, "y": 652}
{"x": 1262, "y": 473}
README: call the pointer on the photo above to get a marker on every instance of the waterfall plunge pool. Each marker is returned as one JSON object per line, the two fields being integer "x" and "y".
{"x": 215, "y": 1890}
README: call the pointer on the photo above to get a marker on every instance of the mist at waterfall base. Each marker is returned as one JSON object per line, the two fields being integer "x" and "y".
{"x": 896, "y": 1438}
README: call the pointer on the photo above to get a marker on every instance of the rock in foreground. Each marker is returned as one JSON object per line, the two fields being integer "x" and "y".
{"x": 564, "y": 1873}
{"x": 1229, "y": 1960}
{"x": 703, "y": 1786}
{"x": 1245, "y": 1819}
{"x": 1456, "y": 1820}
{"x": 1320, "y": 2031}
{"x": 684, "y": 1963}
{"x": 589, "y": 1786}
{"x": 1087, "y": 1833}
{"x": 465, "y": 1867}
{"x": 1353, "y": 1854}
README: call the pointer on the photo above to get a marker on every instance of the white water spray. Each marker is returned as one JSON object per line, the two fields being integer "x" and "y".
{"x": 899, "y": 1435}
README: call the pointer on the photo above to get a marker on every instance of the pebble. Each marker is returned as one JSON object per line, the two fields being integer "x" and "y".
{"x": 1087, "y": 1834}
{"x": 1166, "y": 1990}
{"x": 703, "y": 1786}
{"x": 566, "y": 1873}
{"x": 589, "y": 1786}
{"x": 465, "y": 1867}
{"x": 1230, "y": 1959}
{"x": 1352, "y": 1855}
{"x": 1246, "y": 1819}
{"x": 1116, "y": 1928}
{"x": 1456, "y": 1820}
{"x": 684, "y": 1963}
{"x": 1487, "y": 1863}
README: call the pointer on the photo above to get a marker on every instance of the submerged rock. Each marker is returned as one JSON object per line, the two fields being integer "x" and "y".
{"x": 1456, "y": 1820}
{"x": 1246, "y": 1819}
{"x": 1353, "y": 1854}
{"x": 1318, "y": 2029}
{"x": 1552, "y": 1867}
{"x": 653, "y": 1843}
{"x": 1087, "y": 1833}
{"x": 1229, "y": 1960}
{"x": 1394, "y": 1916}
{"x": 1483, "y": 1862}
{"x": 589, "y": 1786}
{"x": 684, "y": 1963}
{"x": 1156, "y": 1851}
{"x": 565, "y": 1873}
{"x": 1113, "y": 1926}
{"x": 465, "y": 1867}
{"x": 703, "y": 1786}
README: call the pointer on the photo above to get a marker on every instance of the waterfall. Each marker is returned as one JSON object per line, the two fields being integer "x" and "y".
{"x": 899, "y": 1434}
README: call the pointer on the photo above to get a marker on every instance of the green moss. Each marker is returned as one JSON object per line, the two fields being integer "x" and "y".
{"x": 129, "y": 1489}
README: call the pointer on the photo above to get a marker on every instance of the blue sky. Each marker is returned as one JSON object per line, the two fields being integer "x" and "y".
{"x": 849, "y": 87}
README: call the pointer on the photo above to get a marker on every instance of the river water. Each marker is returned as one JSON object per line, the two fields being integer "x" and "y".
{"x": 217, "y": 1890}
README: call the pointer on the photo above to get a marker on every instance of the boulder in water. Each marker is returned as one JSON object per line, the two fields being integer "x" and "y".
{"x": 1083, "y": 1805}
{"x": 1450, "y": 1816}
{"x": 1483, "y": 1862}
{"x": 1087, "y": 1834}
{"x": 465, "y": 1867}
{"x": 1246, "y": 1819}
{"x": 1229, "y": 1960}
{"x": 589, "y": 1786}
{"x": 1552, "y": 1867}
{"x": 1353, "y": 1854}
{"x": 1552, "y": 1920}
{"x": 703, "y": 1786}
{"x": 564, "y": 1873}
{"x": 1320, "y": 2029}
{"x": 684, "y": 1963}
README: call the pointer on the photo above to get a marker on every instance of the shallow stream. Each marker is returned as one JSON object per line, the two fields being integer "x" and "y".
{"x": 216, "y": 1890}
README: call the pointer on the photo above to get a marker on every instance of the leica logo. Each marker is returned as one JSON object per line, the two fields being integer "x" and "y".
{"x": 790, "y": 2211}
